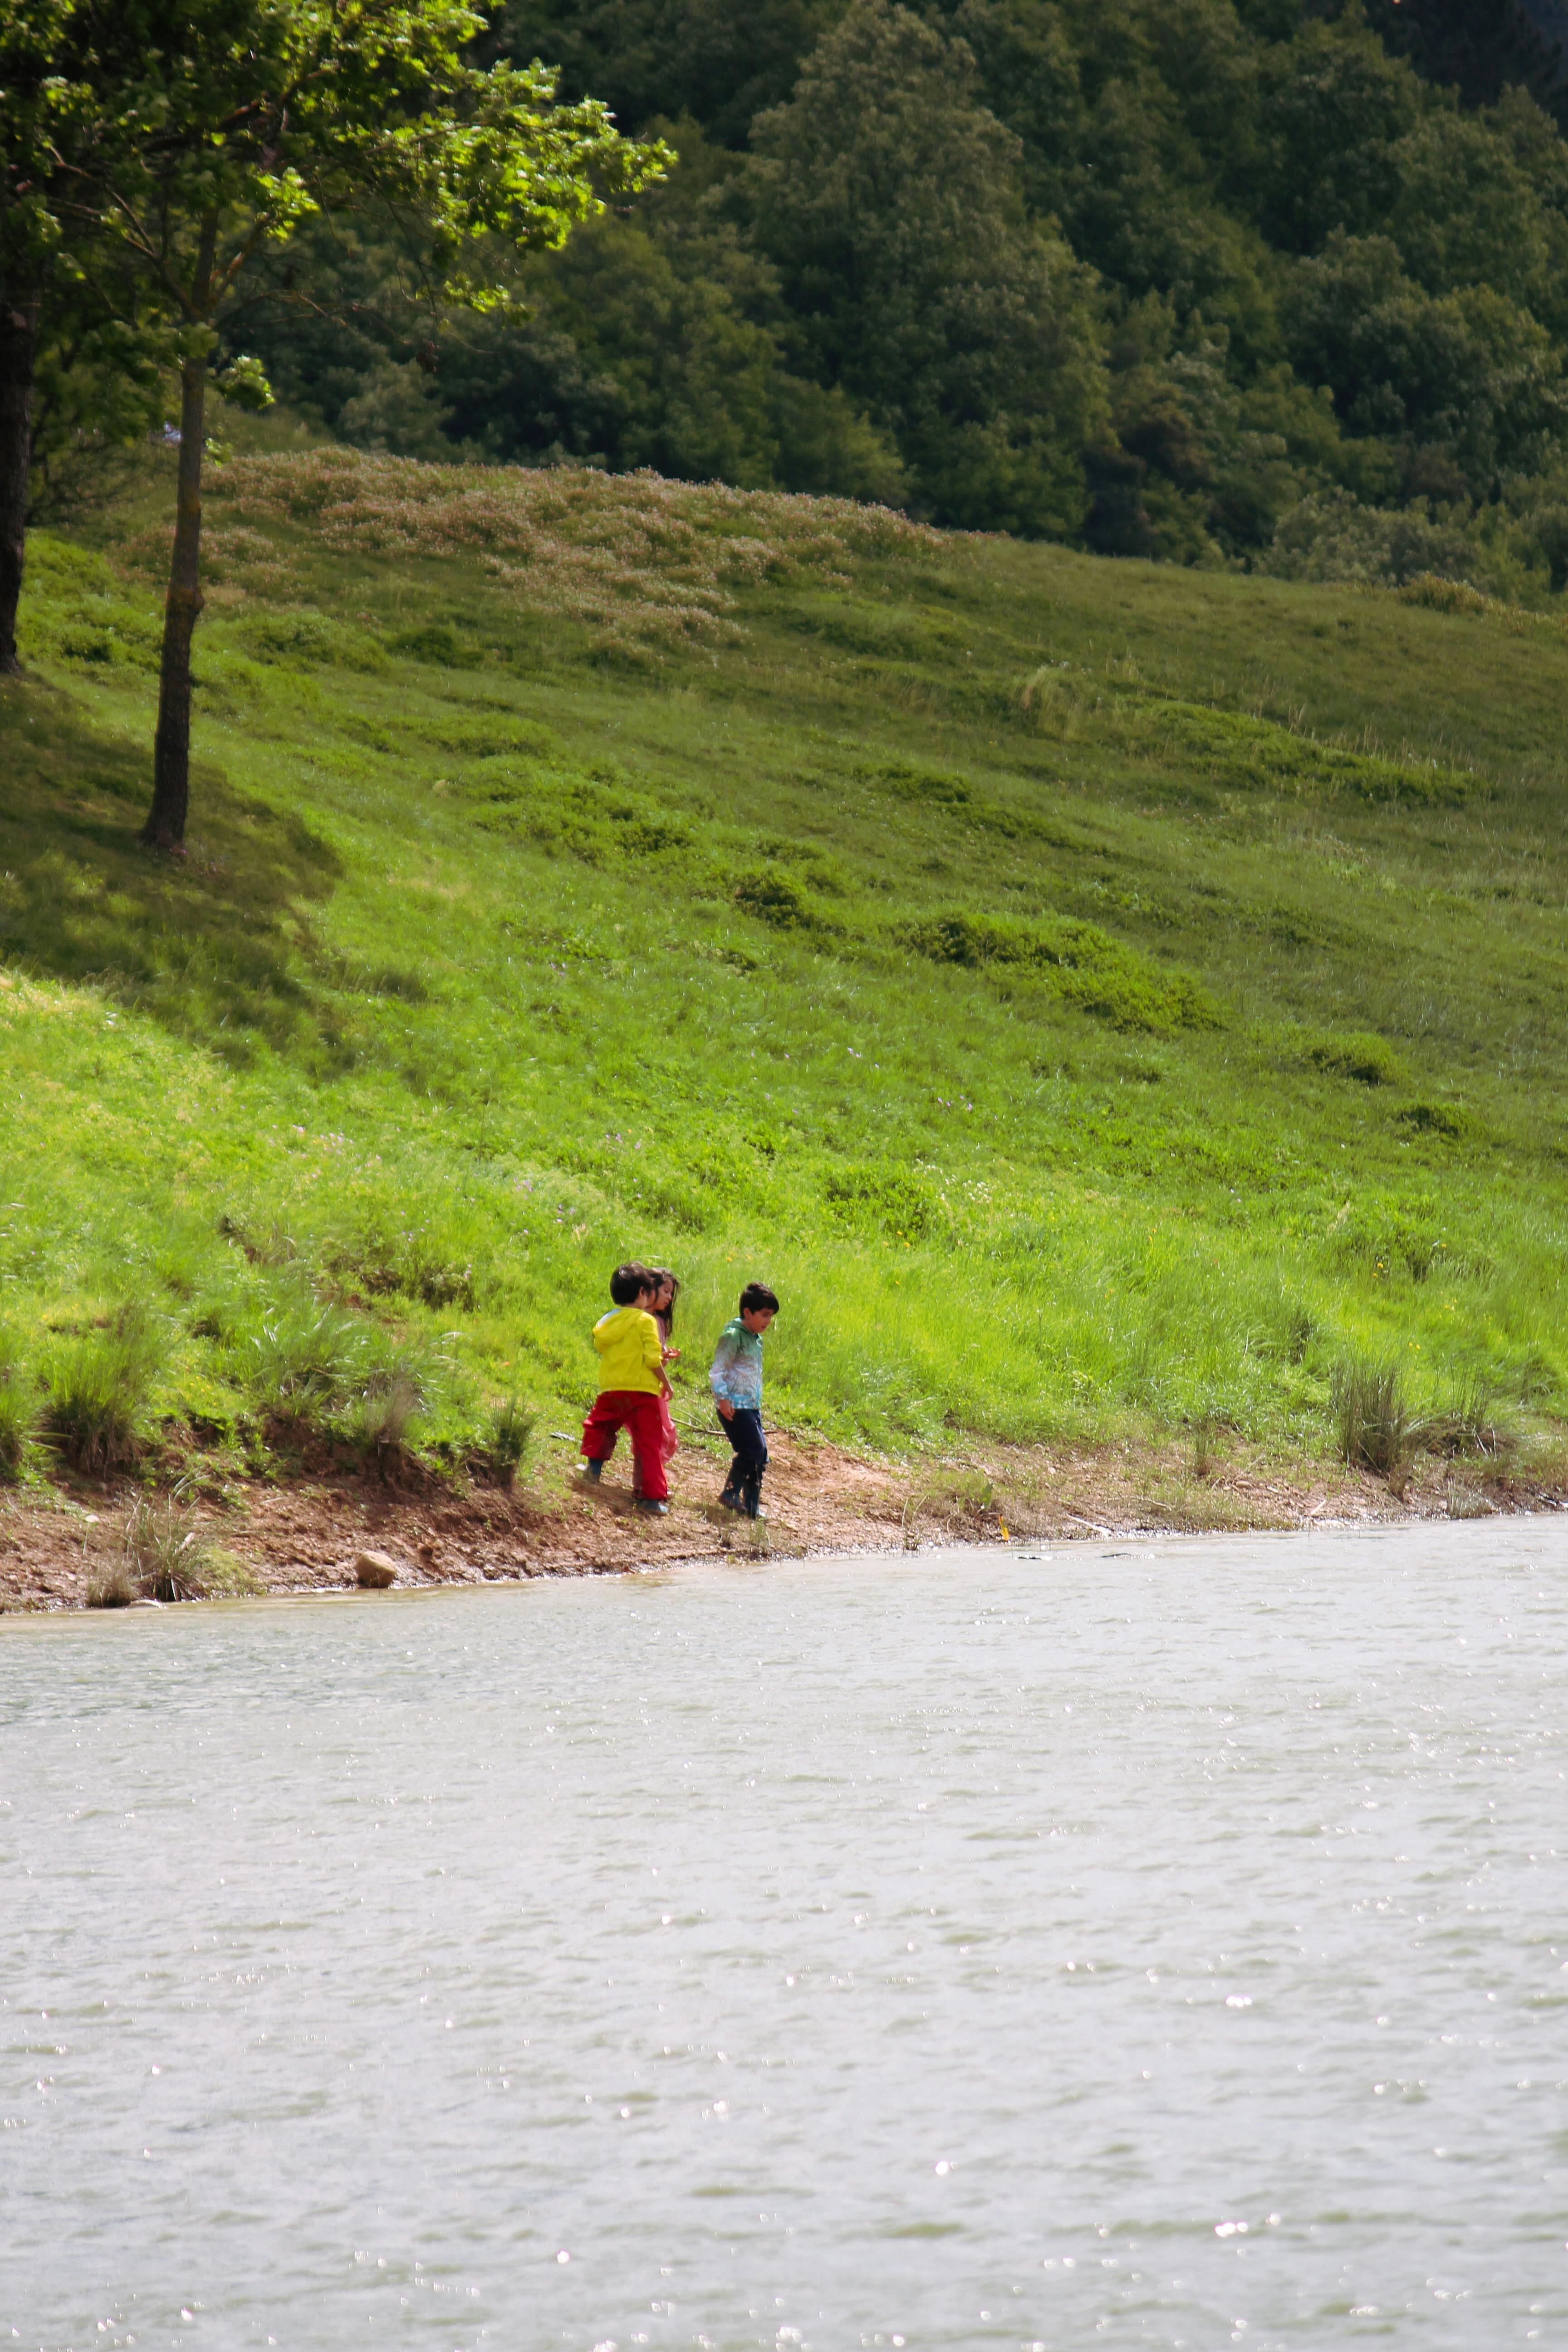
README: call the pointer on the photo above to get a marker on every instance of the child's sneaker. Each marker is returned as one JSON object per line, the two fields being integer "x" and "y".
{"x": 591, "y": 1470}
{"x": 654, "y": 1510}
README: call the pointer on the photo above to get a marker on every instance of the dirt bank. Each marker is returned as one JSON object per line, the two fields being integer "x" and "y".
{"x": 302, "y": 1537}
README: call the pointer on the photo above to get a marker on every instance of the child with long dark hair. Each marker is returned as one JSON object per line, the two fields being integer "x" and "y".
{"x": 663, "y": 1312}
{"x": 662, "y": 1308}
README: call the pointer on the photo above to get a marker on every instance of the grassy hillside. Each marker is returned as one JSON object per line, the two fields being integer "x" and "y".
{"x": 1099, "y": 997}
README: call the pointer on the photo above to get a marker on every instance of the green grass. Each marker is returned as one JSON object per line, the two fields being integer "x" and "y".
{"x": 1102, "y": 999}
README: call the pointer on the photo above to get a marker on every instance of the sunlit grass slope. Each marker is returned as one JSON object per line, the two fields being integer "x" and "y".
{"x": 1099, "y": 997}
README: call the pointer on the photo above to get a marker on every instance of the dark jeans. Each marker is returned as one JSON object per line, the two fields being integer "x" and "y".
{"x": 744, "y": 1430}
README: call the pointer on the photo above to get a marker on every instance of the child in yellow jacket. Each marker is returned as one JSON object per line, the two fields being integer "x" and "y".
{"x": 631, "y": 1368}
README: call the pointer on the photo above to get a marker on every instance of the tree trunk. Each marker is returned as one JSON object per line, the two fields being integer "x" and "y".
{"x": 18, "y": 345}
{"x": 165, "y": 826}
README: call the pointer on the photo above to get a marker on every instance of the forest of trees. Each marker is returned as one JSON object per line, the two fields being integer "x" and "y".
{"x": 1207, "y": 280}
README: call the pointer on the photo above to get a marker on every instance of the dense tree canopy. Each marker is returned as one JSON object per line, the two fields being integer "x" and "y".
{"x": 1152, "y": 274}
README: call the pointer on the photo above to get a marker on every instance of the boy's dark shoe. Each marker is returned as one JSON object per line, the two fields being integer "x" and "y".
{"x": 654, "y": 1510}
{"x": 591, "y": 1470}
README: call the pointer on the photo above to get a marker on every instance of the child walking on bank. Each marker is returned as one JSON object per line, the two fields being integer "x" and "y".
{"x": 736, "y": 1381}
{"x": 631, "y": 1366}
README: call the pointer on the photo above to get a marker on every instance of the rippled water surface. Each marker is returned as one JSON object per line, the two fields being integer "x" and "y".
{"x": 1122, "y": 1947}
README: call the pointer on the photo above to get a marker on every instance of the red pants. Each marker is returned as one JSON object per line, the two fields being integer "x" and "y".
{"x": 636, "y": 1411}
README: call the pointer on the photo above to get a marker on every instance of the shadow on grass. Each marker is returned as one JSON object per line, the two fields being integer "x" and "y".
{"x": 216, "y": 946}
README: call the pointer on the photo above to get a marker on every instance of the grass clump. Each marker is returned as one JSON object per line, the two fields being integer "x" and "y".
{"x": 509, "y": 1433}
{"x": 379, "y": 1420}
{"x": 96, "y": 1392}
{"x": 1473, "y": 1422}
{"x": 167, "y": 1556}
{"x": 112, "y": 1584}
{"x": 1374, "y": 1423}
{"x": 303, "y": 1358}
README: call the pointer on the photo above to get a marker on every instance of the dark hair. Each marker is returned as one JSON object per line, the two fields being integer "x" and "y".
{"x": 629, "y": 1281}
{"x": 757, "y": 1295}
{"x": 665, "y": 1316}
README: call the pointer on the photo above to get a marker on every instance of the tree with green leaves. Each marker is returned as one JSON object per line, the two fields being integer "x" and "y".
{"x": 214, "y": 127}
{"x": 48, "y": 130}
{"x": 888, "y": 198}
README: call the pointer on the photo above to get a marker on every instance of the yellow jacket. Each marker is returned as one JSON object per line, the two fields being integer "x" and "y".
{"x": 631, "y": 1354}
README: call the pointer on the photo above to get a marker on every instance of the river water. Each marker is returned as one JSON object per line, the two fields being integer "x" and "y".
{"x": 1127, "y": 1946}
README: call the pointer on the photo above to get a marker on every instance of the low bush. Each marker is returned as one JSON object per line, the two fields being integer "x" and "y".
{"x": 775, "y": 898}
{"x": 1440, "y": 596}
{"x": 302, "y": 637}
{"x": 439, "y": 646}
{"x": 1384, "y": 1235}
{"x": 1082, "y": 964}
{"x": 1367, "y": 1058}
{"x": 1451, "y": 1121}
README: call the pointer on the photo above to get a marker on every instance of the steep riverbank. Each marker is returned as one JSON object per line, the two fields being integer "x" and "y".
{"x": 282, "y": 1539}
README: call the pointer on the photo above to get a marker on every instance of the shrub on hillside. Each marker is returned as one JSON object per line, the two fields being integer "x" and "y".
{"x": 1440, "y": 596}
{"x": 1362, "y": 1056}
{"x": 304, "y": 639}
{"x": 777, "y": 899}
{"x": 1451, "y": 1121}
{"x": 1330, "y": 536}
{"x": 1082, "y": 964}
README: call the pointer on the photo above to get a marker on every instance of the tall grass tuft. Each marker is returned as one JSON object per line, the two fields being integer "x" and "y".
{"x": 167, "y": 1556}
{"x": 303, "y": 1357}
{"x": 1470, "y": 1423}
{"x": 381, "y": 1417}
{"x": 97, "y": 1392}
{"x": 506, "y": 1440}
{"x": 111, "y": 1585}
{"x": 1372, "y": 1421}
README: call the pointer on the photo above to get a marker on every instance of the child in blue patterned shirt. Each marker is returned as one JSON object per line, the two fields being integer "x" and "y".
{"x": 736, "y": 1381}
